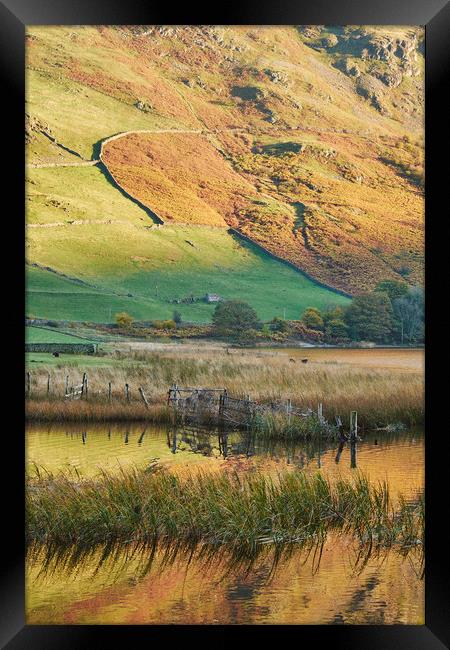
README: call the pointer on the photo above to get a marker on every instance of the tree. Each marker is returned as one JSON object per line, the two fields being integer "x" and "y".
{"x": 248, "y": 337}
{"x": 177, "y": 318}
{"x": 124, "y": 320}
{"x": 278, "y": 324}
{"x": 410, "y": 313}
{"x": 370, "y": 317}
{"x": 337, "y": 329}
{"x": 394, "y": 288}
{"x": 333, "y": 313}
{"x": 234, "y": 316}
{"x": 312, "y": 319}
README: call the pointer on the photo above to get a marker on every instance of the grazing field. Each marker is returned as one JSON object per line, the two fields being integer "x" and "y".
{"x": 143, "y": 271}
{"x": 41, "y": 335}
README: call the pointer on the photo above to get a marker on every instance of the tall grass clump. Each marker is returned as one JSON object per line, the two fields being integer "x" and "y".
{"x": 140, "y": 506}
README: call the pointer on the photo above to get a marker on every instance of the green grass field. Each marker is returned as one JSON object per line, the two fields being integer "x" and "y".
{"x": 158, "y": 266}
{"x": 41, "y": 335}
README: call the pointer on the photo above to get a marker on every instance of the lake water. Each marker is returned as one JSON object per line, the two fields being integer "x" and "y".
{"x": 191, "y": 587}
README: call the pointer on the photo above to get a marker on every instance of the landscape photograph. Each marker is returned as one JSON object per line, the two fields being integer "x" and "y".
{"x": 224, "y": 325}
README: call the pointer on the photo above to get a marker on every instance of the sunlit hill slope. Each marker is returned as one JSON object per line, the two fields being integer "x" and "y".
{"x": 307, "y": 140}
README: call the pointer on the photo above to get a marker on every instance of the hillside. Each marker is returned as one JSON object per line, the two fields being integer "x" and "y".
{"x": 308, "y": 140}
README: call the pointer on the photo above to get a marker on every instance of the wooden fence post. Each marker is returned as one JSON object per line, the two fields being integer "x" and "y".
{"x": 109, "y": 391}
{"x": 144, "y": 399}
{"x": 29, "y": 383}
{"x": 83, "y": 384}
{"x": 127, "y": 392}
{"x": 288, "y": 410}
{"x": 320, "y": 412}
{"x": 48, "y": 383}
{"x": 66, "y": 387}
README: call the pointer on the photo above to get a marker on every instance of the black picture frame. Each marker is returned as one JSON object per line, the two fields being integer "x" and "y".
{"x": 435, "y": 16}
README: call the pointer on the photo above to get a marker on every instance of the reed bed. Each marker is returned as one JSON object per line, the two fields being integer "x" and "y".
{"x": 380, "y": 396}
{"x": 94, "y": 410}
{"x": 226, "y": 509}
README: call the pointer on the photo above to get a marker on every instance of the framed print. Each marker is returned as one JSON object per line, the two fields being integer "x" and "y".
{"x": 230, "y": 418}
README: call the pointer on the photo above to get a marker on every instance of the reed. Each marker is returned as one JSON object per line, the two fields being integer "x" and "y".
{"x": 237, "y": 511}
{"x": 58, "y": 410}
{"x": 380, "y": 396}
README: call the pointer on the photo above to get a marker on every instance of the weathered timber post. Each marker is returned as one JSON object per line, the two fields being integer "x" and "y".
{"x": 66, "y": 386}
{"x": 340, "y": 427}
{"x": 83, "y": 384}
{"x": 175, "y": 407}
{"x": 109, "y": 392}
{"x": 144, "y": 399}
{"x": 48, "y": 383}
{"x": 320, "y": 412}
{"x": 220, "y": 408}
{"x": 353, "y": 425}
{"x": 288, "y": 410}
{"x": 29, "y": 383}
{"x": 127, "y": 392}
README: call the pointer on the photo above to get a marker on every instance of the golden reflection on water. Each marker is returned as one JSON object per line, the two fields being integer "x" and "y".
{"x": 188, "y": 591}
{"x": 399, "y": 458}
{"x": 387, "y": 590}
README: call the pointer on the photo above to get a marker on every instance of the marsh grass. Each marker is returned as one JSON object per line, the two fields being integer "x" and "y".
{"x": 380, "y": 396}
{"x": 240, "y": 512}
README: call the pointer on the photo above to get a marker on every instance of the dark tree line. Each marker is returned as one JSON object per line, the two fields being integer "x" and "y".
{"x": 392, "y": 313}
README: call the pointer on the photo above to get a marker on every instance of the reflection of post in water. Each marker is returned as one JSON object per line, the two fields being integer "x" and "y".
{"x": 126, "y": 437}
{"x": 109, "y": 433}
{"x": 172, "y": 443}
{"x": 339, "y": 452}
{"x": 250, "y": 445}
{"x": 141, "y": 437}
{"x": 223, "y": 442}
{"x": 353, "y": 454}
{"x": 83, "y": 437}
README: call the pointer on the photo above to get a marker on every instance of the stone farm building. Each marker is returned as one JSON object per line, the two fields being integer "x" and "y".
{"x": 212, "y": 297}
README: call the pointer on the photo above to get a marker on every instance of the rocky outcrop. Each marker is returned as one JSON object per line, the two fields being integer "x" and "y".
{"x": 277, "y": 77}
{"x": 378, "y": 61}
{"x": 33, "y": 126}
{"x": 372, "y": 90}
{"x": 145, "y": 107}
